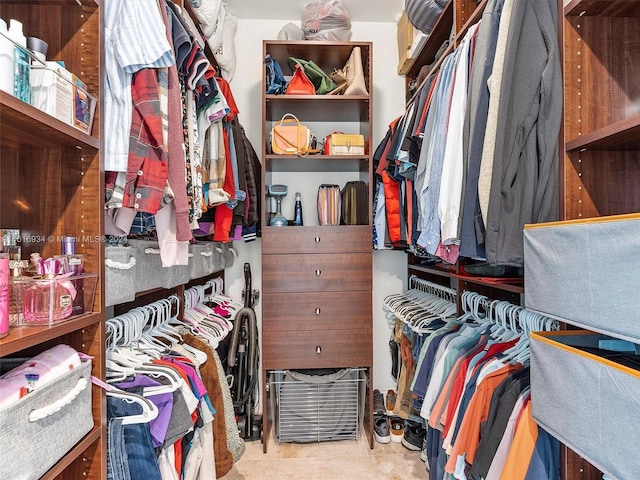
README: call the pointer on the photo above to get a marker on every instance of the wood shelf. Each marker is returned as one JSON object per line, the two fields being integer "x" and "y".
{"x": 441, "y": 31}
{"x": 602, "y": 8}
{"x": 507, "y": 286}
{"x": 623, "y": 135}
{"x": 23, "y": 125}
{"x": 20, "y": 338}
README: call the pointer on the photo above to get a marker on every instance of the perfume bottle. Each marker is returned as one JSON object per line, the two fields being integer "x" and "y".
{"x": 47, "y": 301}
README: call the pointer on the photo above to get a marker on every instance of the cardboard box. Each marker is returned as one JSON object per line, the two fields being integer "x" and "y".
{"x": 405, "y": 41}
{"x": 588, "y": 402}
{"x": 584, "y": 272}
{"x": 61, "y": 94}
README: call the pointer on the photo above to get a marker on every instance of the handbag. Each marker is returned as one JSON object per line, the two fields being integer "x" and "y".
{"x": 355, "y": 203}
{"x": 329, "y": 204}
{"x": 338, "y": 143}
{"x": 300, "y": 83}
{"x": 321, "y": 81}
{"x": 290, "y": 137}
{"x": 353, "y": 72}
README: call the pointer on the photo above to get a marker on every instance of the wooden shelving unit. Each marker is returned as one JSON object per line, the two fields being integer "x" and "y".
{"x": 51, "y": 185}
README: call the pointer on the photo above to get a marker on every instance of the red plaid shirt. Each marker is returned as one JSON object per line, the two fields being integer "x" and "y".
{"x": 147, "y": 169}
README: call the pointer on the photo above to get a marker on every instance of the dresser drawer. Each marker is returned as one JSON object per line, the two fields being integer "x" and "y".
{"x": 356, "y": 238}
{"x": 316, "y": 273}
{"x": 312, "y": 311}
{"x": 317, "y": 349}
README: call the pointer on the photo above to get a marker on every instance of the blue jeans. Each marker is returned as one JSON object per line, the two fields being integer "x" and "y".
{"x": 138, "y": 458}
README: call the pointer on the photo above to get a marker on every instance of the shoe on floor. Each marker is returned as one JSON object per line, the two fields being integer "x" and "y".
{"x": 414, "y": 435}
{"x": 390, "y": 401}
{"x": 381, "y": 429}
{"x": 397, "y": 429}
{"x": 423, "y": 452}
{"x": 378, "y": 403}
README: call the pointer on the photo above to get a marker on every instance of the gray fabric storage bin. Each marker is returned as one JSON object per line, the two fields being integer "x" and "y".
{"x": 587, "y": 402}
{"x": 119, "y": 274}
{"x": 150, "y": 273}
{"x": 31, "y": 446}
{"x": 227, "y": 255}
{"x": 583, "y": 273}
{"x": 200, "y": 259}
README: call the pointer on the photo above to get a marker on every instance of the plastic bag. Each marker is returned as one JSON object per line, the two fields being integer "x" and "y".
{"x": 225, "y": 54}
{"x": 291, "y": 32}
{"x": 326, "y": 20}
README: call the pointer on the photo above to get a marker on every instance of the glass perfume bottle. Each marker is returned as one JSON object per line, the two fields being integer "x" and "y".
{"x": 47, "y": 301}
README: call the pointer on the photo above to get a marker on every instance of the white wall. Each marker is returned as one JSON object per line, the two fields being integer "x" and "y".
{"x": 389, "y": 275}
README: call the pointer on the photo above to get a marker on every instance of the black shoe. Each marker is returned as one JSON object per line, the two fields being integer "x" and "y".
{"x": 414, "y": 435}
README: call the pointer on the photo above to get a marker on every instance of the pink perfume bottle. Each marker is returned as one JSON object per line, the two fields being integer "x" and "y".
{"x": 47, "y": 301}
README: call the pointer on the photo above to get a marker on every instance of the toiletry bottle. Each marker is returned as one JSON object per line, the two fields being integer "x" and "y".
{"x": 7, "y": 53}
{"x": 22, "y": 62}
{"x": 297, "y": 215}
{"x": 4, "y": 294}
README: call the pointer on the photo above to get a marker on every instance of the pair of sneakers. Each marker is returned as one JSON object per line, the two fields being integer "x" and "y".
{"x": 382, "y": 405}
{"x": 388, "y": 429}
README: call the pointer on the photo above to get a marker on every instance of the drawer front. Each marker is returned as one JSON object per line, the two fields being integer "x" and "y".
{"x": 356, "y": 238}
{"x": 316, "y": 273}
{"x": 317, "y": 349}
{"x": 312, "y": 311}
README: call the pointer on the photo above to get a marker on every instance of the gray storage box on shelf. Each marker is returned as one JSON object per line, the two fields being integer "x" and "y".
{"x": 206, "y": 258}
{"x": 119, "y": 274}
{"x": 315, "y": 408}
{"x": 586, "y": 401}
{"x": 582, "y": 273}
{"x": 150, "y": 273}
{"x": 35, "y": 435}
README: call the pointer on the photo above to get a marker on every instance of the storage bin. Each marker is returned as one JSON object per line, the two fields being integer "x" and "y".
{"x": 228, "y": 255}
{"x": 150, "y": 274}
{"x": 119, "y": 274}
{"x": 38, "y": 301}
{"x": 43, "y": 426}
{"x": 315, "y": 407}
{"x": 201, "y": 258}
{"x": 583, "y": 273}
{"x": 588, "y": 402}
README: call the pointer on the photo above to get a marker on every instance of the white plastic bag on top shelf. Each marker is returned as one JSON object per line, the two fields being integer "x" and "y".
{"x": 326, "y": 20}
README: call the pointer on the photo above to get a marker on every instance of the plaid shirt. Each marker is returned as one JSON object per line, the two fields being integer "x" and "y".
{"x": 147, "y": 170}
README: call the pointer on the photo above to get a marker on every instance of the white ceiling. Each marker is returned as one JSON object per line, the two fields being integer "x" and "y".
{"x": 359, "y": 10}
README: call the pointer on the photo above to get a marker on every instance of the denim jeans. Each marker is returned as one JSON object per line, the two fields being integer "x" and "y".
{"x": 138, "y": 454}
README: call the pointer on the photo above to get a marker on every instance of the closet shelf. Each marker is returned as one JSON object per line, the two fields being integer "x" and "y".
{"x": 23, "y": 125}
{"x": 20, "y": 338}
{"x": 508, "y": 285}
{"x": 432, "y": 270}
{"x": 472, "y": 20}
{"x": 623, "y": 135}
{"x": 602, "y": 8}
{"x": 75, "y": 453}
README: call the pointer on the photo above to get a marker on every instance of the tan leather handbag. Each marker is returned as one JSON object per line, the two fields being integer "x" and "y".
{"x": 353, "y": 73}
{"x": 290, "y": 137}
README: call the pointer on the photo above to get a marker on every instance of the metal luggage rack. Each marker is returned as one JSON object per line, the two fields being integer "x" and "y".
{"x": 306, "y": 412}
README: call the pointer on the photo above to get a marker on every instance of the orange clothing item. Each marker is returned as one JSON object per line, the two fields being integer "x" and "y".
{"x": 524, "y": 443}
{"x": 440, "y": 407}
{"x": 477, "y": 412}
